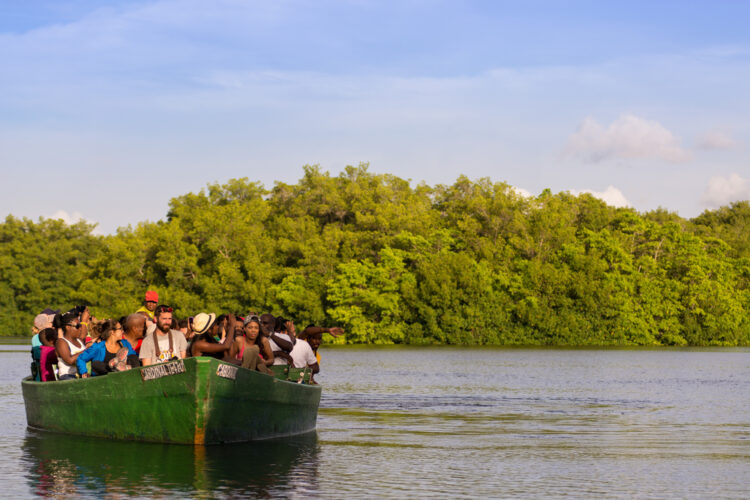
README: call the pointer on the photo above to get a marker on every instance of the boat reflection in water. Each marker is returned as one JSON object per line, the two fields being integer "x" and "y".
{"x": 60, "y": 465}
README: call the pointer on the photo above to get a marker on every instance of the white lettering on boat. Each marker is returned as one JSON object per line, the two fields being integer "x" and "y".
{"x": 162, "y": 370}
{"x": 227, "y": 371}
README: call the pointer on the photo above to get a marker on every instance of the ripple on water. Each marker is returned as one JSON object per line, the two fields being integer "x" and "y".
{"x": 453, "y": 423}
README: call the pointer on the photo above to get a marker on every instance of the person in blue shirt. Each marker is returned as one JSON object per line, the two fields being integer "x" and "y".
{"x": 111, "y": 353}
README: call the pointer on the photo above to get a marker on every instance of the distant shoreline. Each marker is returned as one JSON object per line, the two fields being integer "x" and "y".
{"x": 26, "y": 341}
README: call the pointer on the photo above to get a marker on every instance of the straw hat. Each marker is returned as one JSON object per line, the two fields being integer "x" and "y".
{"x": 202, "y": 322}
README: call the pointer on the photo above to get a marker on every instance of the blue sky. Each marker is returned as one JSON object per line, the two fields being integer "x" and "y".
{"x": 108, "y": 112}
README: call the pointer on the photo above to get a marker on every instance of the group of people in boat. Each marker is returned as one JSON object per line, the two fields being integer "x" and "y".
{"x": 66, "y": 344}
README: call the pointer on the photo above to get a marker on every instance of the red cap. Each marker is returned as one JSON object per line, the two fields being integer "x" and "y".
{"x": 152, "y": 296}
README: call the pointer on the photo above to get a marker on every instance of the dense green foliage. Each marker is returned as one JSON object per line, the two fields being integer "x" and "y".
{"x": 470, "y": 263}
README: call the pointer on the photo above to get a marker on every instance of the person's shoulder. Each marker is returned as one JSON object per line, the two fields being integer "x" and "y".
{"x": 178, "y": 335}
{"x": 302, "y": 345}
{"x": 96, "y": 346}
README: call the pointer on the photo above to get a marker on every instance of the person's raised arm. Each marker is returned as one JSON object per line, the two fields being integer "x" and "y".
{"x": 232, "y": 323}
{"x": 335, "y": 331}
{"x": 291, "y": 331}
{"x": 285, "y": 345}
{"x": 203, "y": 346}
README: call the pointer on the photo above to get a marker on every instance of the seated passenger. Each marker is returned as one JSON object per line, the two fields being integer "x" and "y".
{"x": 251, "y": 348}
{"x": 109, "y": 354}
{"x": 303, "y": 356}
{"x": 186, "y": 327}
{"x": 48, "y": 356}
{"x": 135, "y": 330}
{"x": 279, "y": 339}
{"x": 69, "y": 346}
{"x": 219, "y": 328}
{"x": 163, "y": 344}
{"x": 203, "y": 343}
{"x": 41, "y": 321}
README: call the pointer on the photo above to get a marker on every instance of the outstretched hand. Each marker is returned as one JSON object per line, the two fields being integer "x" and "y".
{"x": 336, "y": 331}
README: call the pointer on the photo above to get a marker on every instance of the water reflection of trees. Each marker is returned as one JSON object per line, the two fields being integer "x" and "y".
{"x": 74, "y": 466}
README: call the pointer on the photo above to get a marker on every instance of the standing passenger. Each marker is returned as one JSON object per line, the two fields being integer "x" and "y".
{"x": 151, "y": 300}
{"x": 164, "y": 343}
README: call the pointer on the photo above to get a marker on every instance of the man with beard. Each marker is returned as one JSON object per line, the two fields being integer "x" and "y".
{"x": 164, "y": 343}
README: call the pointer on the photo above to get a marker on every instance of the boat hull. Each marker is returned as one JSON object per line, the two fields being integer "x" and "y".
{"x": 191, "y": 401}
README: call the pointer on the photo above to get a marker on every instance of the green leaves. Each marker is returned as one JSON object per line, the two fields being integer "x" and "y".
{"x": 469, "y": 263}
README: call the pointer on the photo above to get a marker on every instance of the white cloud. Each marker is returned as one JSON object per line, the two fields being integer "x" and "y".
{"x": 68, "y": 218}
{"x": 716, "y": 139}
{"x": 724, "y": 190}
{"x": 72, "y": 218}
{"x": 628, "y": 137}
{"x": 611, "y": 196}
{"x": 522, "y": 192}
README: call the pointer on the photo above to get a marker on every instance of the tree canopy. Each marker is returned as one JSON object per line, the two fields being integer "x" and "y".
{"x": 471, "y": 263}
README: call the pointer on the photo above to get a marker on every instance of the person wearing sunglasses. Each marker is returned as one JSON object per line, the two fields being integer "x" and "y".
{"x": 111, "y": 353}
{"x": 69, "y": 346}
{"x": 164, "y": 343}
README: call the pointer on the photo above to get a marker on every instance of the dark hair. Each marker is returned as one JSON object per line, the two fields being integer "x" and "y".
{"x": 280, "y": 324}
{"x": 183, "y": 323}
{"x": 105, "y": 329}
{"x": 49, "y": 334}
{"x": 62, "y": 319}
{"x": 260, "y": 332}
{"x": 162, "y": 308}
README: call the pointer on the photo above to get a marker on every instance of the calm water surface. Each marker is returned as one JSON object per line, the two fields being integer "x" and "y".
{"x": 456, "y": 423}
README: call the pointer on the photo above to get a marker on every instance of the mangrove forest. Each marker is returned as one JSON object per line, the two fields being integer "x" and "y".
{"x": 472, "y": 263}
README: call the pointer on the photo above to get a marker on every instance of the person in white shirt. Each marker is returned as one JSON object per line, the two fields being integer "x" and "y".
{"x": 164, "y": 344}
{"x": 279, "y": 337}
{"x": 303, "y": 356}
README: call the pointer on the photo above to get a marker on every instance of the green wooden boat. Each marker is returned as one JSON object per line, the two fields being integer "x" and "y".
{"x": 191, "y": 401}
